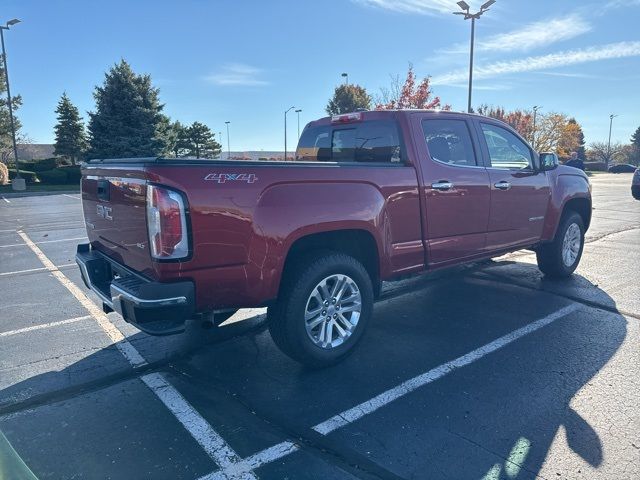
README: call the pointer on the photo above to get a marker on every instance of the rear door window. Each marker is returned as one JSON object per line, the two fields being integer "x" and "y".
{"x": 449, "y": 141}
{"x": 375, "y": 141}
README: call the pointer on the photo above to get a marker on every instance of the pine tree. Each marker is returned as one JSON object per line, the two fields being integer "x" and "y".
{"x": 635, "y": 138}
{"x": 180, "y": 144}
{"x": 128, "y": 120}
{"x": 70, "y": 140}
{"x": 635, "y": 145}
{"x": 347, "y": 99}
{"x": 580, "y": 149}
{"x": 202, "y": 141}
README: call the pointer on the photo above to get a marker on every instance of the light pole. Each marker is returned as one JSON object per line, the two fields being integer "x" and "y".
{"x": 285, "y": 131}
{"x": 20, "y": 184}
{"x": 298, "y": 112}
{"x": 611, "y": 117}
{"x": 228, "y": 144}
{"x": 346, "y": 78}
{"x": 533, "y": 133}
{"x": 473, "y": 16}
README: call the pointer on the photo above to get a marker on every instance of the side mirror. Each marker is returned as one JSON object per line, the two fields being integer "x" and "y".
{"x": 548, "y": 161}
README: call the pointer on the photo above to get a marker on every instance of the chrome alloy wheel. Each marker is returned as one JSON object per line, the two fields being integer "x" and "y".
{"x": 571, "y": 245}
{"x": 332, "y": 311}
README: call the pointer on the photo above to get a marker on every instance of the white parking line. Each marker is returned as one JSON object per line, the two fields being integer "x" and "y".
{"x": 121, "y": 343}
{"x": 39, "y": 269}
{"x": 263, "y": 457}
{"x": 370, "y": 406}
{"x": 6, "y": 199}
{"x": 45, "y": 241}
{"x": 215, "y": 446}
{"x": 43, "y": 326}
{"x": 198, "y": 427}
{"x": 351, "y": 415}
{"x": 71, "y": 196}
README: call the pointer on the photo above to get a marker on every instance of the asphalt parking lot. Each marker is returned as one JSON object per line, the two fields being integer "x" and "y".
{"x": 485, "y": 372}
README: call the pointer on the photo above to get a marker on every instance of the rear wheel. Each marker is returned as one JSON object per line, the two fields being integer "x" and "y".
{"x": 560, "y": 257}
{"x": 323, "y": 310}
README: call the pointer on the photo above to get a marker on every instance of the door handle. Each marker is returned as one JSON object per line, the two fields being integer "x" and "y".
{"x": 442, "y": 186}
{"x": 502, "y": 185}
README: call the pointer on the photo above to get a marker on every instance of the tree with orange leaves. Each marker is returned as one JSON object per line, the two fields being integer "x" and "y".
{"x": 410, "y": 95}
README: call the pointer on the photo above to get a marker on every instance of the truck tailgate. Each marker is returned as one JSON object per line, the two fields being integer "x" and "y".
{"x": 115, "y": 215}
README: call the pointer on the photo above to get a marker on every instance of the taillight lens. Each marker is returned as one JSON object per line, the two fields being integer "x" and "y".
{"x": 167, "y": 223}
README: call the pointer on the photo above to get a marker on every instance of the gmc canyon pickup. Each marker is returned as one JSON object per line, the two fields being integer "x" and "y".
{"x": 371, "y": 196}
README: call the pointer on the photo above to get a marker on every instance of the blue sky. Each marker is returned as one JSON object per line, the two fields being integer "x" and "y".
{"x": 247, "y": 61}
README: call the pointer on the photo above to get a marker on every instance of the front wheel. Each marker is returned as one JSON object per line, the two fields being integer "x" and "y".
{"x": 560, "y": 257}
{"x": 323, "y": 310}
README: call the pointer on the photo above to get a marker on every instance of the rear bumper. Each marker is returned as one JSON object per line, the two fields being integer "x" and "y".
{"x": 153, "y": 307}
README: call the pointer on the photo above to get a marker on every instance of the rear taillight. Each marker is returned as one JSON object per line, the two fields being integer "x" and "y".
{"x": 167, "y": 224}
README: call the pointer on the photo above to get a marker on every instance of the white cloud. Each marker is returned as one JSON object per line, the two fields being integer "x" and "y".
{"x": 494, "y": 87}
{"x": 237, "y": 74}
{"x": 544, "y": 62}
{"x": 534, "y": 35}
{"x": 567, "y": 74}
{"x": 423, "y": 7}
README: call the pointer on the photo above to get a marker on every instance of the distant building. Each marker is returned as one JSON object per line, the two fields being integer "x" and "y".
{"x": 35, "y": 151}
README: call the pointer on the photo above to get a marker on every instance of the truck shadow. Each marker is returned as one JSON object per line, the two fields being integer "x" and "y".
{"x": 495, "y": 418}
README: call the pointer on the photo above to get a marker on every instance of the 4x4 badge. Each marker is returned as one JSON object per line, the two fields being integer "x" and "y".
{"x": 231, "y": 177}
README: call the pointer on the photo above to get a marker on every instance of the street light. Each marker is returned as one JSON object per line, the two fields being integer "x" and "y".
{"x": 346, "y": 78}
{"x": 611, "y": 117}
{"x": 298, "y": 112}
{"x": 228, "y": 144}
{"x": 533, "y": 133}
{"x": 285, "y": 131}
{"x": 473, "y": 16}
{"x": 20, "y": 184}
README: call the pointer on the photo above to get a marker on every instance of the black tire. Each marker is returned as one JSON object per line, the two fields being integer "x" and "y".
{"x": 286, "y": 318}
{"x": 549, "y": 255}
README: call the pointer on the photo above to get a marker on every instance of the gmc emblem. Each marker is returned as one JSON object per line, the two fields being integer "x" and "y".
{"x": 104, "y": 212}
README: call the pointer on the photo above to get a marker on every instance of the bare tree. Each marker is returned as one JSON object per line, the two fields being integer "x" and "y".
{"x": 600, "y": 152}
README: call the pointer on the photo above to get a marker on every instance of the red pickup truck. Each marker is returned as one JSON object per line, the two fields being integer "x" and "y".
{"x": 371, "y": 196}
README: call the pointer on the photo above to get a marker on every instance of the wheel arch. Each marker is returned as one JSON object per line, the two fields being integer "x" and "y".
{"x": 358, "y": 243}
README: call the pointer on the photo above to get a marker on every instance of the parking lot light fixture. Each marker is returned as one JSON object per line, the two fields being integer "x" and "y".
{"x": 228, "y": 144}
{"x": 346, "y": 78}
{"x": 611, "y": 117}
{"x": 298, "y": 112}
{"x": 473, "y": 17}
{"x": 533, "y": 130}
{"x": 20, "y": 184}
{"x": 285, "y": 131}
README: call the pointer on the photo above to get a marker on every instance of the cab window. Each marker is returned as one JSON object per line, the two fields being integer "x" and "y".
{"x": 375, "y": 141}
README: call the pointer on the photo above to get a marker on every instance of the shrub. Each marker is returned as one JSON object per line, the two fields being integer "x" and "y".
{"x": 30, "y": 177}
{"x": 44, "y": 165}
{"x": 73, "y": 173}
{"x": 4, "y": 174}
{"x": 53, "y": 177}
